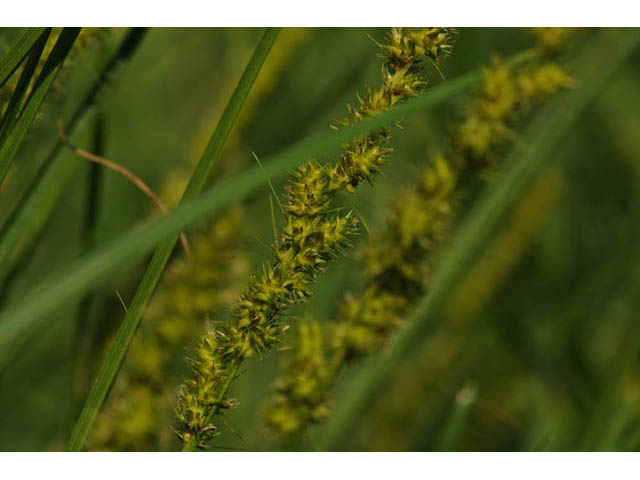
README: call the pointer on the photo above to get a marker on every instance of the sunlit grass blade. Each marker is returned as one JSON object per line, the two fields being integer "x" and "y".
{"x": 18, "y": 319}
{"x": 28, "y": 218}
{"x": 595, "y": 66}
{"x": 14, "y": 57}
{"x": 11, "y": 113}
{"x": 130, "y": 323}
{"x": 15, "y": 136}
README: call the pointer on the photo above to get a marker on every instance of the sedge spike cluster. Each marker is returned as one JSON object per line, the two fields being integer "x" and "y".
{"x": 552, "y": 40}
{"x": 304, "y": 384}
{"x": 396, "y": 262}
{"x": 313, "y": 234}
{"x": 502, "y": 95}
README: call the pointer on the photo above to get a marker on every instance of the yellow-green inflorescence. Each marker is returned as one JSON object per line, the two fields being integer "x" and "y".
{"x": 396, "y": 261}
{"x": 313, "y": 234}
{"x": 193, "y": 288}
{"x": 502, "y": 95}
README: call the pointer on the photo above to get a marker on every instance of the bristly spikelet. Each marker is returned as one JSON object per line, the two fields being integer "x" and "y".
{"x": 405, "y": 47}
{"x": 313, "y": 233}
{"x": 538, "y": 82}
{"x": 552, "y": 39}
{"x": 501, "y": 96}
{"x": 209, "y": 370}
{"x": 402, "y": 77}
{"x": 367, "y": 321}
{"x": 418, "y": 220}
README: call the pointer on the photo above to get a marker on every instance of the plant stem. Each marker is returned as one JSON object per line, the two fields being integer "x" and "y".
{"x": 130, "y": 323}
{"x": 125, "y": 172}
{"x": 84, "y": 328}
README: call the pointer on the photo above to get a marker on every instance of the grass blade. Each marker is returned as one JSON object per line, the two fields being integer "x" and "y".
{"x": 13, "y": 140}
{"x": 20, "y": 49}
{"x": 460, "y": 410}
{"x": 11, "y": 113}
{"x": 596, "y": 65}
{"x": 28, "y": 218}
{"x": 130, "y": 323}
{"x": 17, "y": 321}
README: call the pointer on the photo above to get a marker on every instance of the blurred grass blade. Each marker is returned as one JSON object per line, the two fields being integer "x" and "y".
{"x": 130, "y": 323}
{"x": 13, "y": 139}
{"x": 596, "y": 64}
{"x": 455, "y": 423}
{"x": 18, "y": 52}
{"x": 30, "y": 215}
{"x": 84, "y": 337}
{"x": 11, "y": 112}
{"x": 18, "y": 320}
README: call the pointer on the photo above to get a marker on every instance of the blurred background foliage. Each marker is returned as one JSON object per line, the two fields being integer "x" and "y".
{"x": 542, "y": 356}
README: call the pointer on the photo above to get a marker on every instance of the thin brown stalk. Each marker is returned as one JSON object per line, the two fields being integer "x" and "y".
{"x": 128, "y": 174}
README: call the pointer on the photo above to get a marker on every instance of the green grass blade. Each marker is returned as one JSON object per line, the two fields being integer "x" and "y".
{"x": 11, "y": 113}
{"x": 20, "y": 49}
{"x": 14, "y": 138}
{"x": 457, "y": 417}
{"x": 132, "y": 319}
{"x": 595, "y": 66}
{"x": 28, "y": 218}
{"x": 16, "y": 321}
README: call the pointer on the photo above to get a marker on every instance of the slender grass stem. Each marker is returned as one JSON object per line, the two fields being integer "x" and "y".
{"x": 596, "y": 65}
{"x": 130, "y": 323}
{"x": 125, "y": 172}
{"x": 84, "y": 328}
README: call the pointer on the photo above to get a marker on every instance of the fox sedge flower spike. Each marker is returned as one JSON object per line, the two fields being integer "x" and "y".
{"x": 313, "y": 234}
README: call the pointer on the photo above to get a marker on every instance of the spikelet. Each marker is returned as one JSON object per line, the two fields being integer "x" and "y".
{"x": 501, "y": 97}
{"x": 552, "y": 39}
{"x": 313, "y": 234}
{"x": 301, "y": 394}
